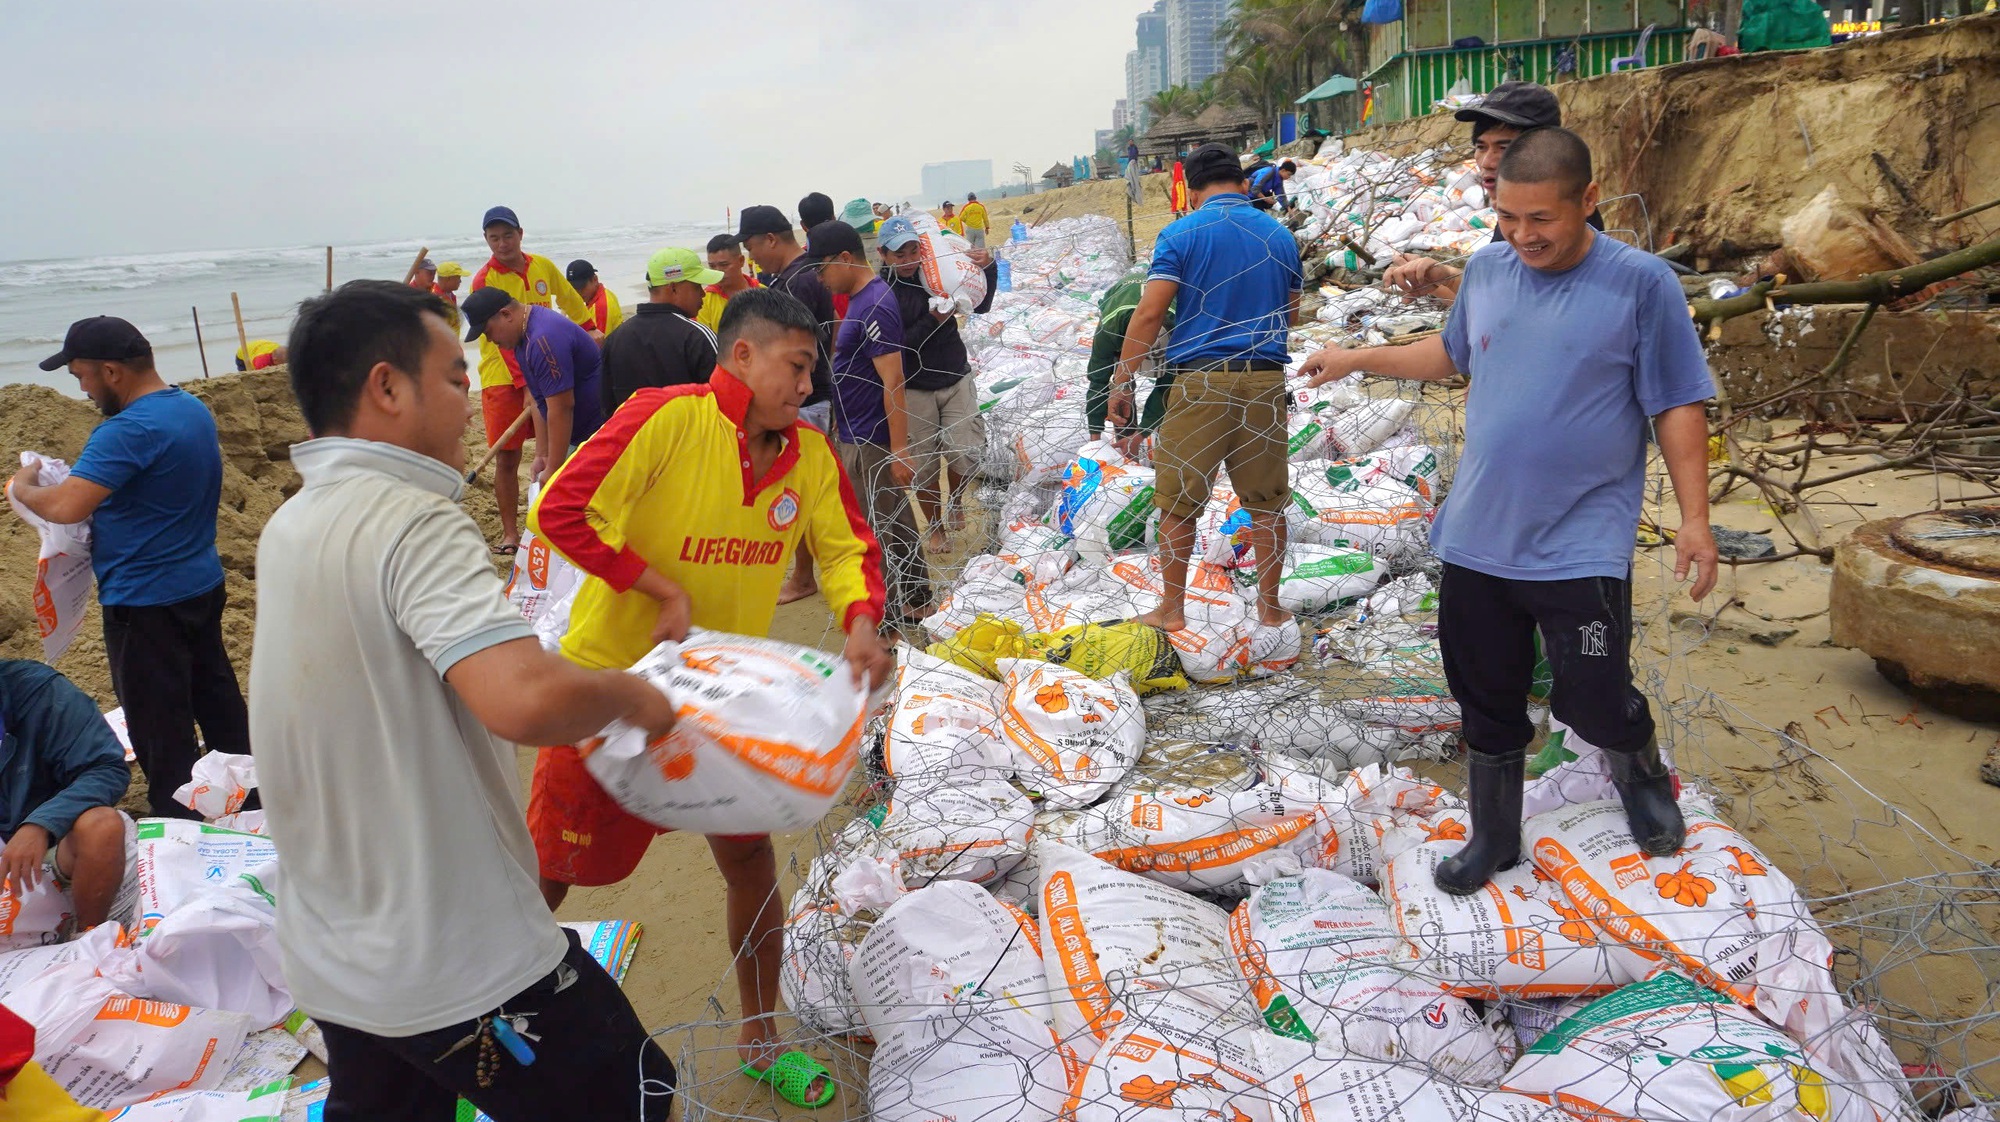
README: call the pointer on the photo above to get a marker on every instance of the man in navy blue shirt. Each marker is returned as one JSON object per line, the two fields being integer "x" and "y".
{"x": 1232, "y": 275}
{"x": 150, "y": 479}
{"x": 561, "y": 363}
{"x": 1267, "y": 187}
{"x": 62, "y": 772}
{"x": 1572, "y": 340}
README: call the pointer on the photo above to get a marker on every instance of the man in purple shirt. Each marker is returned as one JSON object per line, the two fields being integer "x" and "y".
{"x": 560, "y": 362}
{"x": 871, "y": 428}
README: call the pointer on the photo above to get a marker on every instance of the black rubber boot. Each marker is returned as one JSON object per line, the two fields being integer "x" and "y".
{"x": 1495, "y": 844}
{"x": 1647, "y": 789}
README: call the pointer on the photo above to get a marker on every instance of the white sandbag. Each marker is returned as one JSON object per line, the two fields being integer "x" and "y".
{"x": 1325, "y": 963}
{"x": 971, "y": 830}
{"x": 1073, "y": 737}
{"x": 218, "y": 784}
{"x": 1307, "y": 435}
{"x": 1669, "y": 1048}
{"x": 1107, "y": 506}
{"x": 178, "y": 859}
{"x": 1388, "y": 520}
{"x": 989, "y": 585}
{"x": 1717, "y": 910}
{"x": 1026, "y": 539}
{"x": 19, "y": 967}
{"x": 1176, "y": 1060}
{"x": 1319, "y": 578}
{"x": 254, "y": 1104}
{"x": 1144, "y": 586}
{"x": 1112, "y": 938}
{"x": 33, "y": 917}
{"x": 63, "y": 578}
{"x": 945, "y": 727}
{"x": 1364, "y": 807}
{"x": 1215, "y": 644}
{"x": 1341, "y": 394}
{"x": 1193, "y": 839}
{"x": 541, "y": 576}
{"x": 109, "y": 1049}
{"x": 948, "y": 271}
{"x": 243, "y": 822}
{"x": 1573, "y": 771}
{"x": 1082, "y": 595}
{"x": 1416, "y": 467}
{"x": 767, "y": 735}
{"x": 1222, "y": 532}
{"x": 946, "y": 939}
{"x": 217, "y": 949}
{"x": 1357, "y": 1090}
{"x": 821, "y": 939}
{"x": 1519, "y": 935}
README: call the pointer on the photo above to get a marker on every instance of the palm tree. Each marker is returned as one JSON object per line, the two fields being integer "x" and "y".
{"x": 1259, "y": 82}
{"x": 1172, "y": 100}
{"x": 1302, "y": 41}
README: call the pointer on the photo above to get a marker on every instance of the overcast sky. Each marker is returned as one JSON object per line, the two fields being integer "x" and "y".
{"x": 135, "y": 126}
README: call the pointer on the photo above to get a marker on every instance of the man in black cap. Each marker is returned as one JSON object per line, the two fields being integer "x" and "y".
{"x": 1497, "y": 120}
{"x": 766, "y": 235}
{"x": 605, "y": 314}
{"x": 150, "y": 479}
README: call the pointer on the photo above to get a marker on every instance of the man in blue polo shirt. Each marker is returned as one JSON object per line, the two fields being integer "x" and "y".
{"x": 1231, "y": 274}
{"x": 561, "y": 363}
{"x": 150, "y": 479}
{"x": 870, "y": 417}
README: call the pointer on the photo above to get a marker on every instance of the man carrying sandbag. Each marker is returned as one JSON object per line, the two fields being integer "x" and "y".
{"x": 685, "y": 511}
{"x": 1572, "y": 340}
{"x": 391, "y": 682}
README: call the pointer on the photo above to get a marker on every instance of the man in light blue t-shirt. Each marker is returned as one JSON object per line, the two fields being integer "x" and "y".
{"x": 150, "y": 479}
{"x": 1572, "y": 341}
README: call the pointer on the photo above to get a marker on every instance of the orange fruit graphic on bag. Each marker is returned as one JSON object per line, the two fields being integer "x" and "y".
{"x": 1684, "y": 887}
{"x": 1052, "y": 699}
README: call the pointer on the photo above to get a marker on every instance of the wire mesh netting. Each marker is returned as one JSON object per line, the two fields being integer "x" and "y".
{"x": 1097, "y": 871}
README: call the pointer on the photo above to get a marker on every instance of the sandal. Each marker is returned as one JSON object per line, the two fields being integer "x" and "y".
{"x": 505, "y": 550}
{"x": 791, "y": 1075}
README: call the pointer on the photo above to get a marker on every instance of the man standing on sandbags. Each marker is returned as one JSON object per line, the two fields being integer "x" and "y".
{"x": 150, "y": 480}
{"x": 685, "y": 512}
{"x": 1231, "y": 274}
{"x": 1572, "y": 341}
{"x": 391, "y": 682}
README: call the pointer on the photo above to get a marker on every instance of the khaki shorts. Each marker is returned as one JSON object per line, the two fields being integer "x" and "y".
{"x": 1234, "y": 418}
{"x": 945, "y": 423}
{"x": 975, "y": 238}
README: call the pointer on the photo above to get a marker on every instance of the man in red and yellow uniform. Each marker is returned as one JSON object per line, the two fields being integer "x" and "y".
{"x": 503, "y": 394}
{"x": 605, "y": 311}
{"x": 684, "y": 510}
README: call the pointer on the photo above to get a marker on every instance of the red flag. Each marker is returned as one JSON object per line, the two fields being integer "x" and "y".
{"x": 1178, "y": 196}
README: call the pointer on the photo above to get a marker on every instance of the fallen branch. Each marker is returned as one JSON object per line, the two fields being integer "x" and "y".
{"x": 1885, "y": 287}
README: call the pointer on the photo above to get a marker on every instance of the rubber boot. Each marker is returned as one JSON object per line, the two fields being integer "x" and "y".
{"x": 1495, "y": 844}
{"x": 1647, "y": 789}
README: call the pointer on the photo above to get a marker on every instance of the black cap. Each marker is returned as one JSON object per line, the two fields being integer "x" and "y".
{"x": 1524, "y": 105}
{"x": 761, "y": 220}
{"x": 99, "y": 339}
{"x": 480, "y": 307}
{"x": 1212, "y": 163}
{"x": 579, "y": 271}
{"x": 829, "y": 239}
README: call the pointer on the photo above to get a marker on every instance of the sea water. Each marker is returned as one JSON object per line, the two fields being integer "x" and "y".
{"x": 39, "y": 299}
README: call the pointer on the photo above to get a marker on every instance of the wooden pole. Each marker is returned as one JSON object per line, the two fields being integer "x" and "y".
{"x": 242, "y": 336}
{"x": 198, "y": 345}
{"x": 411, "y": 275}
{"x": 329, "y": 268}
{"x": 494, "y": 449}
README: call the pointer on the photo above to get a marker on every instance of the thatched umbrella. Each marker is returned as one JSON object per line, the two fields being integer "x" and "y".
{"x": 1167, "y": 135}
{"x": 1228, "y": 124}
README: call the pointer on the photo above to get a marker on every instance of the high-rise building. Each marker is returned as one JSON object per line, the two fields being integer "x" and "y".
{"x": 1146, "y": 64}
{"x": 1193, "y": 50}
{"x": 1120, "y": 115}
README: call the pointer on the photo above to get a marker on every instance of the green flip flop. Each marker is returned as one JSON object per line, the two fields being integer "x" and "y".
{"x": 791, "y": 1075}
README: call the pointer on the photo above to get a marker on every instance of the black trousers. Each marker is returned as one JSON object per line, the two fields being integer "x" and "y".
{"x": 171, "y": 673}
{"x": 589, "y": 1062}
{"x": 1486, "y": 628}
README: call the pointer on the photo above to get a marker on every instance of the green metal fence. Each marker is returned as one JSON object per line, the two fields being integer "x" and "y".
{"x": 1409, "y": 83}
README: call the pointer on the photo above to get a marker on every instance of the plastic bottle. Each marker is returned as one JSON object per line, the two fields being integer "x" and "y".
{"x": 1019, "y": 232}
{"x": 1006, "y": 277}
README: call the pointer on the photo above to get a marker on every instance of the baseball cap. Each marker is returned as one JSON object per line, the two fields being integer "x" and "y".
{"x": 829, "y": 239}
{"x": 427, "y": 266}
{"x": 579, "y": 271}
{"x": 761, "y": 220}
{"x": 1524, "y": 105}
{"x": 452, "y": 269}
{"x": 480, "y": 307}
{"x": 99, "y": 339}
{"x": 897, "y": 232}
{"x": 674, "y": 264}
{"x": 1212, "y": 163}
{"x": 503, "y": 214}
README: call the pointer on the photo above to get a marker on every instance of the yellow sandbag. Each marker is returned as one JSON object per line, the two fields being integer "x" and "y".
{"x": 981, "y": 642}
{"x": 1100, "y": 650}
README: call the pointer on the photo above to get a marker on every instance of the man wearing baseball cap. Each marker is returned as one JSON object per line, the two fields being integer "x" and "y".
{"x": 605, "y": 312}
{"x": 662, "y": 344}
{"x": 150, "y": 479}
{"x": 502, "y": 395}
{"x": 561, "y": 364}
{"x": 1497, "y": 120}
{"x": 449, "y": 276}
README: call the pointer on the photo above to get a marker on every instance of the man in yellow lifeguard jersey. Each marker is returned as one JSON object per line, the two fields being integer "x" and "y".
{"x": 685, "y": 509}
{"x": 503, "y": 394}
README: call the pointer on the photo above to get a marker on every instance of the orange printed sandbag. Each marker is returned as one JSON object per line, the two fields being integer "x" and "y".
{"x": 64, "y": 582}
{"x": 1175, "y": 1060}
{"x": 767, "y": 735}
{"x": 1193, "y": 839}
{"x": 1073, "y": 737}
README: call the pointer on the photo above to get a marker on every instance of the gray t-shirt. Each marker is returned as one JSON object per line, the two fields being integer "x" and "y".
{"x": 408, "y": 899}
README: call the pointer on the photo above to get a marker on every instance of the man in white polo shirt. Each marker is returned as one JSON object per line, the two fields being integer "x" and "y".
{"x": 389, "y": 679}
